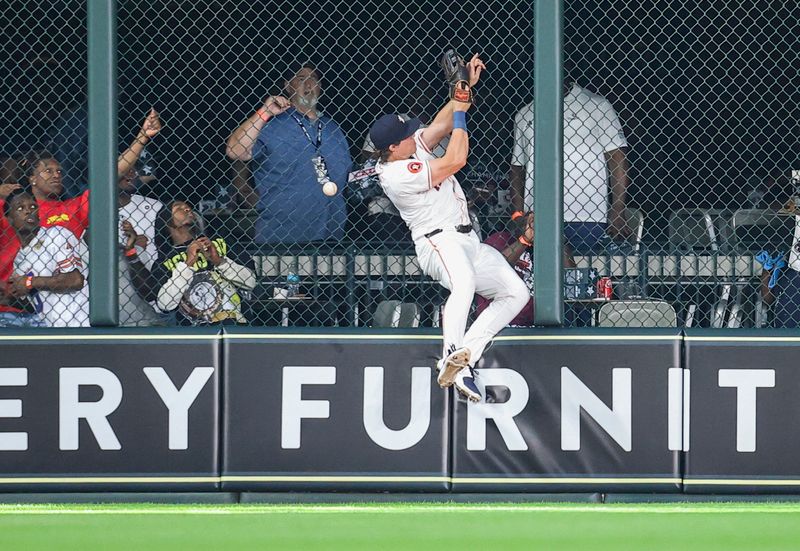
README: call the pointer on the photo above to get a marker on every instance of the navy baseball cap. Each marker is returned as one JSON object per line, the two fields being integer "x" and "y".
{"x": 391, "y": 129}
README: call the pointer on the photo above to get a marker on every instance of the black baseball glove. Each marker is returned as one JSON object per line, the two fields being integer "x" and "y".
{"x": 456, "y": 74}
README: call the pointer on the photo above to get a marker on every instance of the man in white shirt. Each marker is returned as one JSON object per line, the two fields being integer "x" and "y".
{"x": 137, "y": 219}
{"x": 48, "y": 268}
{"x": 594, "y": 153}
{"x": 431, "y": 202}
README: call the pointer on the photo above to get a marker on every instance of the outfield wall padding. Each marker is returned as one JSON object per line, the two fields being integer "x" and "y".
{"x": 247, "y": 410}
{"x": 590, "y": 411}
{"x": 82, "y": 411}
{"x": 297, "y": 416}
{"x": 743, "y": 431}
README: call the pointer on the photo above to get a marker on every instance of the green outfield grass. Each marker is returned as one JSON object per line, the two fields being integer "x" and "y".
{"x": 410, "y": 527}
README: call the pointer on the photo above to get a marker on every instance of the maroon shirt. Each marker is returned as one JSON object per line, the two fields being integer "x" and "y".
{"x": 500, "y": 241}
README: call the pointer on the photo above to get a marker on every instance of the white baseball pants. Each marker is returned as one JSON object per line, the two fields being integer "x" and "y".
{"x": 465, "y": 266}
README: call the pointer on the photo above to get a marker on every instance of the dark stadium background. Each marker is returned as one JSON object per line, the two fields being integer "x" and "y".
{"x": 703, "y": 89}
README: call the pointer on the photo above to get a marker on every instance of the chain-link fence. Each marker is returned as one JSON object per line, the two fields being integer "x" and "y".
{"x": 704, "y": 96}
{"x": 680, "y": 139}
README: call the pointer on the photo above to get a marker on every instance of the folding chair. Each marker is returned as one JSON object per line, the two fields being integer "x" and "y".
{"x": 757, "y": 229}
{"x": 691, "y": 230}
{"x": 634, "y": 220}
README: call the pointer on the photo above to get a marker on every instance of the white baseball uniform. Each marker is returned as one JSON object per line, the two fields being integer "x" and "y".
{"x": 458, "y": 261}
{"x": 56, "y": 250}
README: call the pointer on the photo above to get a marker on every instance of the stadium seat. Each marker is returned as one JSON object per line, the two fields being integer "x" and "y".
{"x": 409, "y": 315}
{"x": 637, "y": 313}
{"x": 762, "y": 229}
{"x": 692, "y": 230}
{"x": 393, "y": 313}
{"x": 387, "y": 314}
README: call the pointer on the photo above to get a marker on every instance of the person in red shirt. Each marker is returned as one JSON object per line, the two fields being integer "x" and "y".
{"x": 12, "y": 311}
{"x": 44, "y": 175}
{"x": 518, "y": 251}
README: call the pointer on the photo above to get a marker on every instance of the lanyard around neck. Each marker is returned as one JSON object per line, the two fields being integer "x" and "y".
{"x": 302, "y": 126}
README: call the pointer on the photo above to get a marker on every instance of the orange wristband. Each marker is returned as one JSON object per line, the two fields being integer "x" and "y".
{"x": 29, "y": 282}
{"x": 517, "y": 214}
{"x": 265, "y": 115}
{"x": 130, "y": 252}
{"x": 525, "y": 241}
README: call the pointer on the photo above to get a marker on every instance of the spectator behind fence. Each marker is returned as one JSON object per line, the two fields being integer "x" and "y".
{"x": 137, "y": 229}
{"x": 14, "y": 312}
{"x": 518, "y": 251}
{"x": 372, "y": 216}
{"x": 784, "y": 295}
{"x": 194, "y": 274}
{"x": 68, "y": 142}
{"x": 45, "y": 176}
{"x": 293, "y": 149}
{"x": 483, "y": 188}
{"x": 48, "y": 269}
{"x": 594, "y": 151}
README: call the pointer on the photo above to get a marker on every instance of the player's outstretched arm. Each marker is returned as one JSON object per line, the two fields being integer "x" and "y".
{"x": 455, "y": 158}
{"x": 442, "y": 124}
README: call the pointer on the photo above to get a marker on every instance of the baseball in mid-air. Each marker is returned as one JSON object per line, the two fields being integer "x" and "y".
{"x": 330, "y": 188}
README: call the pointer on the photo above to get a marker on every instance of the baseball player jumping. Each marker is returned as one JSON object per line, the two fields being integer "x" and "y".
{"x": 432, "y": 204}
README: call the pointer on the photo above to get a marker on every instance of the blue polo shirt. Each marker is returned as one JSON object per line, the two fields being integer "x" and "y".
{"x": 291, "y": 205}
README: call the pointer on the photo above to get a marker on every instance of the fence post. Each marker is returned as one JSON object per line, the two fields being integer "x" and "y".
{"x": 547, "y": 155}
{"x": 102, "y": 56}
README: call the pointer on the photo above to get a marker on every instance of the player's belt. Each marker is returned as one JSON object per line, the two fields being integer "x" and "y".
{"x": 466, "y": 228}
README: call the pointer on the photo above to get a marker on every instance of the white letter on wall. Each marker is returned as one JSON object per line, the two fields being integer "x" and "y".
{"x": 177, "y": 401}
{"x": 746, "y": 381}
{"x": 615, "y": 421}
{"x": 420, "y": 409}
{"x": 502, "y": 414}
{"x": 13, "y": 441}
{"x": 294, "y": 408}
{"x": 71, "y": 410}
{"x": 678, "y": 409}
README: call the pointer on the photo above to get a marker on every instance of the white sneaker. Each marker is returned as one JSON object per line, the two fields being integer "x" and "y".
{"x": 465, "y": 384}
{"x": 450, "y": 365}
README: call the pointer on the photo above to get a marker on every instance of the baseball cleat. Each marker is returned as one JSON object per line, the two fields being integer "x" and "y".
{"x": 450, "y": 365}
{"x": 465, "y": 384}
